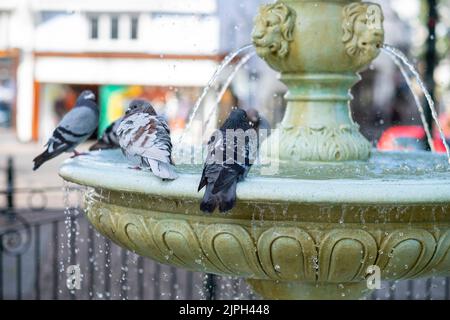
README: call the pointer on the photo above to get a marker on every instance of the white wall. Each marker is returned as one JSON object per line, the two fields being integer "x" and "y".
{"x": 163, "y": 72}
{"x": 25, "y": 96}
{"x": 5, "y": 17}
{"x": 179, "y": 6}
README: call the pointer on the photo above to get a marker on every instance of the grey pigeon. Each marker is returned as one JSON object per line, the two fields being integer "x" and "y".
{"x": 228, "y": 161}
{"x": 144, "y": 138}
{"x": 109, "y": 138}
{"x": 75, "y": 128}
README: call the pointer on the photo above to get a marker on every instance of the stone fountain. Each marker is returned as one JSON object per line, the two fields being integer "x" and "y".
{"x": 335, "y": 209}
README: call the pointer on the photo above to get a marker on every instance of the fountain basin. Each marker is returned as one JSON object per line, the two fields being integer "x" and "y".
{"x": 299, "y": 235}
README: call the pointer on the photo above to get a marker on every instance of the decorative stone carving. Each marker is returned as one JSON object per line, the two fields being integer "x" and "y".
{"x": 324, "y": 144}
{"x": 345, "y": 255}
{"x": 330, "y": 254}
{"x": 404, "y": 253}
{"x": 362, "y": 26}
{"x": 288, "y": 253}
{"x": 273, "y": 31}
{"x": 318, "y": 58}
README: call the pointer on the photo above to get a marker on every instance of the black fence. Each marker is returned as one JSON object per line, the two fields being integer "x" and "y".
{"x": 38, "y": 244}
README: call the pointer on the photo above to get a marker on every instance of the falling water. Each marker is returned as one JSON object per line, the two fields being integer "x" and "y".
{"x": 71, "y": 230}
{"x": 416, "y": 98}
{"x": 398, "y": 54}
{"x": 228, "y": 59}
{"x": 227, "y": 83}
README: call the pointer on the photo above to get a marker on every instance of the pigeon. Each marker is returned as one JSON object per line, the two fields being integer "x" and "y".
{"x": 75, "y": 128}
{"x": 260, "y": 123}
{"x": 228, "y": 162}
{"x": 144, "y": 138}
{"x": 109, "y": 138}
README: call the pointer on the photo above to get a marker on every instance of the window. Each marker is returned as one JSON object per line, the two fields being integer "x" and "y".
{"x": 114, "y": 27}
{"x": 93, "y": 27}
{"x": 134, "y": 28}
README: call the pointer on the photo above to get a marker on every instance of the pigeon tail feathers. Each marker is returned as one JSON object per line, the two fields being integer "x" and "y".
{"x": 42, "y": 158}
{"x": 225, "y": 199}
{"x": 209, "y": 202}
{"x": 162, "y": 170}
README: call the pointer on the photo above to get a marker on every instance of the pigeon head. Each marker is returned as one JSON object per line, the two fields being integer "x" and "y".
{"x": 253, "y": 116}
{"x": 139, "y": 105}
{"x": 87, "y": 95}
{"x": 237, "y": 119}
{"x": 257, "y": 121}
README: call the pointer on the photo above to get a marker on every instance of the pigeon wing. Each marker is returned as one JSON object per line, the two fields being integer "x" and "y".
{"x": 147, "y": 136}
{"x": 75, "y": 127}
{"x": 214, "y": 160}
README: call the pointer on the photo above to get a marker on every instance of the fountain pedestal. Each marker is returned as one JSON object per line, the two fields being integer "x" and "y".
{"x": 291, "y": 290}
{"x": 317, "y": 125}
{"x": 318, "y": 47}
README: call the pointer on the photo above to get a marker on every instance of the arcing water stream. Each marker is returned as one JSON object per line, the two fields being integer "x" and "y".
{"x": 226, "y": 61}
{"x": 394, "y": 53}
{"x": 227, "y": 83}
{"x": 416, "y": 99}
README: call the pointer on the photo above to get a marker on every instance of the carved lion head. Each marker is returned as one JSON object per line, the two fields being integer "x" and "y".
{"x": 363, "y": 30}
{"x": 274, "y": 27}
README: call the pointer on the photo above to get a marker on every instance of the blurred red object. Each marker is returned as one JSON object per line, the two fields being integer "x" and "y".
{"x": 403, "y": 138}
{"x": 439, "y": 145}
{"x": 409, "y": 138}
{"x": 444, "y": 120}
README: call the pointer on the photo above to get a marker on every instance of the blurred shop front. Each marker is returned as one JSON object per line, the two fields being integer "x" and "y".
{"x": 8, "y": 71}
{"x": 174, "y": 103}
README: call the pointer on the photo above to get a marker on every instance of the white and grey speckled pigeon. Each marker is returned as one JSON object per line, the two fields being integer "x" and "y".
{"x": 75, "y": 128}
{"x": 144, "y": 138}
{"x": 109, "y": 138}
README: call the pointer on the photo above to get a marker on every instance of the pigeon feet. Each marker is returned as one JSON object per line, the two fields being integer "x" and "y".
{"x": 135, "y": 168}
{"x": 77, "y": 154}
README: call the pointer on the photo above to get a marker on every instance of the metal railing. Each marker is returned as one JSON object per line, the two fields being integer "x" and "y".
{"x": 37, "y": 244}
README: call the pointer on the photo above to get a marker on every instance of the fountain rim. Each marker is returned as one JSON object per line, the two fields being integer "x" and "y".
{"x": 419, "y": 191}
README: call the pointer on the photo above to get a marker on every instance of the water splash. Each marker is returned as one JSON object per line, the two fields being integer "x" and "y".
{"x": 227, "y": 83}
{"x": 430, "y": 101}
{"x": 69, "y": 249}
{"x": 226, "y": 61}
{"x": 416, "y": 97}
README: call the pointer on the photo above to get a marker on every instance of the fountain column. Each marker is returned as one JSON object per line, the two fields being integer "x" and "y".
{"x": 318, "y": 47}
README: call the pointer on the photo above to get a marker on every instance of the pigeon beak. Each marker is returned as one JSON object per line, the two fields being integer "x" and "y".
{"x": 90, "y": 96}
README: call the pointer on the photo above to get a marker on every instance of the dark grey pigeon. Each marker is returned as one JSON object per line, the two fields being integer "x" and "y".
{"x": 75, "y": 128}
{"x": 109, "y": 138}
{"x": 228, "y": 162}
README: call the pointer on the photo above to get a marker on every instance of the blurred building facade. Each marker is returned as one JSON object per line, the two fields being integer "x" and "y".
{"x": 52, "y": 49}
{"x": 166, "y": 51}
